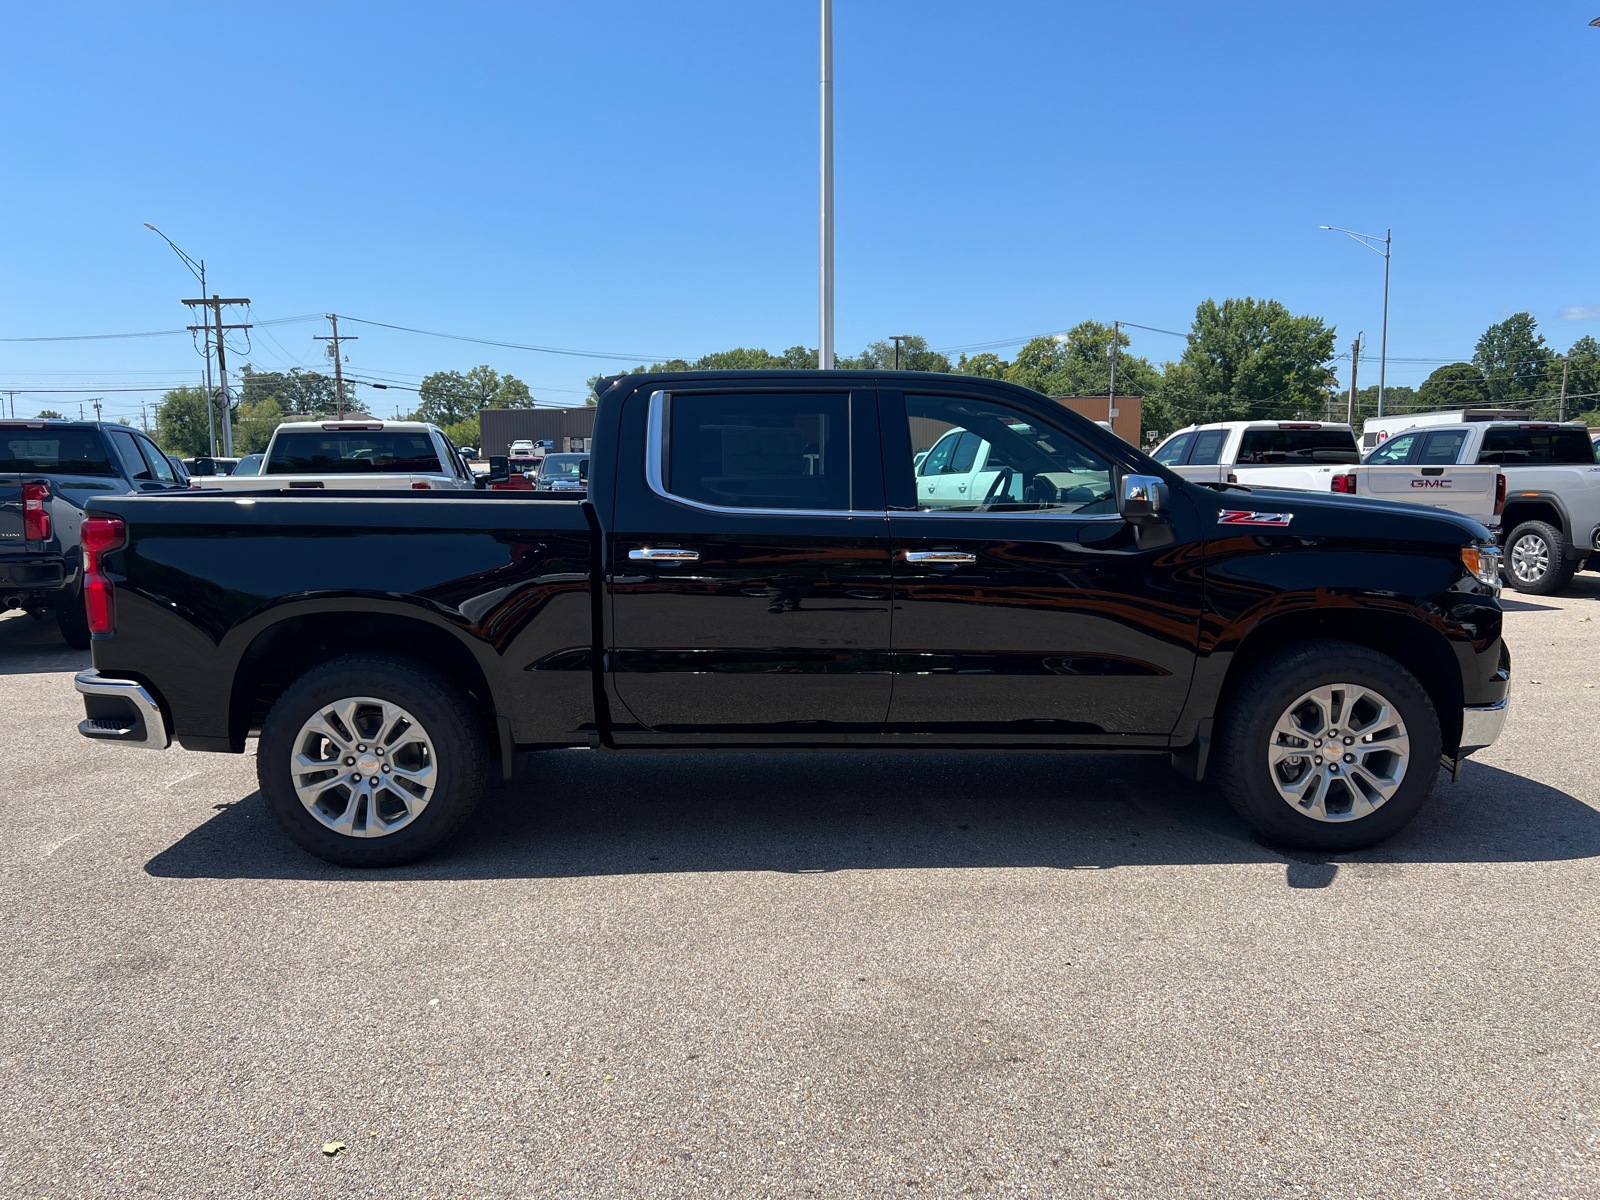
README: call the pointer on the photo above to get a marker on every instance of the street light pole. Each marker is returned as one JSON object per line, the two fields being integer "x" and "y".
{"x": 825, "y": 334}
{"x": 1372, "y": 242}
{"x": 198, "y": 270}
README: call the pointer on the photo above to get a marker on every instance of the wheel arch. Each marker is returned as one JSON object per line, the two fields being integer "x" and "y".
{"x": 1541, "y": 507}
{"x": 1416, "y": 645}
{"x": 285, "y": 650}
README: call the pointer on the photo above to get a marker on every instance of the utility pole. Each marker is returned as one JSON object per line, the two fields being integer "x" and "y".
{"x": 897, "y": 338}
{"x": 96, "y": 403}
{"x": 198, "y": 270}
{"x": 13, "y": 396}
{"x": 216, "y": 305}
{"x": 338, "y": 366}
{"x": 1116, "y": 338}
{"x": 1566, "y": 369}
{"x": 825, "y": 334}
{"x": 1355, "y": 365}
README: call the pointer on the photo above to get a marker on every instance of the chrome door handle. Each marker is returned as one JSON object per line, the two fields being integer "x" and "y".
{"x": 670, "y": 556}
{"x": 939, "y": 556}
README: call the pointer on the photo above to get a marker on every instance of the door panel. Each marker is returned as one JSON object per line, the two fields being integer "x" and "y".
{"x": 1053, "y": 623}
{"x": 781, "y": 622}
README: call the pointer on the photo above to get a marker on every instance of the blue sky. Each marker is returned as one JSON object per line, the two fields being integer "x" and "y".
{"x": 641, "y": 177}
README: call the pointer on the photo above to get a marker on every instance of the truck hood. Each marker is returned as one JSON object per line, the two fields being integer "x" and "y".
{"x": 1314, "y": 514}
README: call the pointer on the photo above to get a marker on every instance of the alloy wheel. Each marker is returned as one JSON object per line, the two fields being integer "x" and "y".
{"x": 1530, "y": 558}
{"x": 363, "y": 767}
{"x": 1338, "y": 752}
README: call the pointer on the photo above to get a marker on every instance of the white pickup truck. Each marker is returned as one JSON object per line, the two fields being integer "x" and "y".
{"x": 1550, "y": 524}
{"x": 1322, "y": 457}
{"x": 355, "y": 454}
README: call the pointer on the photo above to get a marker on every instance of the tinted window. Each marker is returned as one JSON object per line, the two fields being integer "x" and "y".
{"x": 1172, "y": 453}
{"x": 1395, "y": 450}
{"x": 939, "y": 457}
{"x": 1208, "y": 448}
{"x": 1297, "y": 446}
{"x": 250, "y": 464}
{"x": 1031, "y": 466}
{"x": 350, "y": 452}
{"x": 133, "y": 462}
{"x": 159, "y": 466}
{"x": 564, "y": 466}
{"x": 54, "y": 452}
{"x": 966, "y": 454}
{"x": 1443, "y": 448}
{"x": 770, "y": 451}
{"x": 1526, "y": 447}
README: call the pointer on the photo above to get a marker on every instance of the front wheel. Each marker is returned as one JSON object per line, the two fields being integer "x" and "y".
{"x": 1328, "y": 746}
{"x": 371, "y": 760}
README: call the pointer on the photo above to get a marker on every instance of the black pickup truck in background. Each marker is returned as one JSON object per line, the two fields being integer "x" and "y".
{"x": 776, "y": 560}
{"x": 48, "y": 471}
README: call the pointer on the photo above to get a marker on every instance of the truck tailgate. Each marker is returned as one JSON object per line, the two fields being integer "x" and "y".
{"x": 1468, "y": 490}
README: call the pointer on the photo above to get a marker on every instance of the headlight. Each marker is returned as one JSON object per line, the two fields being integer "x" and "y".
{"x": 1484, "y": 563}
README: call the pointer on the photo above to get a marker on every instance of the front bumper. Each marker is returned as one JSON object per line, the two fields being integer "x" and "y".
{"x": 1481, "y": 725}
{"x": 120, "y": 710}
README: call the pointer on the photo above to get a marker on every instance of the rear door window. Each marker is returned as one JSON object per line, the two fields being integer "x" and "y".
{"x": 133, "y": 462}
{"x": 1208, "y": 448}
{"x": 160, "y": 468}
{"x": 763, "y": 451}
{"x": 54, "y": 452}
{"x": 1514, "y": 447}
{"x": 1442, "y": 449}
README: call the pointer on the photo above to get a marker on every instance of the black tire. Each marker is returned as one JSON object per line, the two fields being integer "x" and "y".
{"x": 73, "y": 621}
{"x": 439, "y": 706}
{"x": 1543, "y": 538}
{"x": 1252, "y": 710}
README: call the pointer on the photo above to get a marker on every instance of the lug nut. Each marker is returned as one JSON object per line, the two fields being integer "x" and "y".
{"x": 1334, "y": 767}
{"x": 1349, "y": 741}
{"x": 350, "y": 761}
{"x": 378, "y": 750}
{"x": 1349, "y": 758}
{"x": 1318, "y": 760}
{"x": 385, "y": 768}
{"x": 360, "y": 747}
{"x": 355, "y": 779}
{"x": 374, "y": 781}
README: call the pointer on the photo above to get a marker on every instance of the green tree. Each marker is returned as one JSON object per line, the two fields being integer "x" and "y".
{"x": 181, "y": 426}
{"x": 297, "y": 391}
{"x": 1037, "y": 363}
{"x": 50, "y": 414}
{"x": 252, "y": 430}
{"x": 1514, "y": 359}
{"x": 985, "y": 366}
{"x": 1251, "y": 359}
{"x": 1459, "y": 385}
{"x": 450, "y": 397}
{"x": 914, "y": 356}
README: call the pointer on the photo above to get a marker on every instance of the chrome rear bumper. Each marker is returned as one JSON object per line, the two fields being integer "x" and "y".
{"x": 120, "y": 710}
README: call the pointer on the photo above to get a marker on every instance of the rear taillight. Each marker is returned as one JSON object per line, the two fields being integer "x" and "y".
{"x": 98, "y": 537}
{"x": 35, "y": 520}
{"x": 1345, "y": 485}
{"x": 422, "y": 487}
{"x": 1499, "y": 494}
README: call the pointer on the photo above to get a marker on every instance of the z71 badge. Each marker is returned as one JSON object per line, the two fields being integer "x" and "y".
{"x": 1238, "y": 516}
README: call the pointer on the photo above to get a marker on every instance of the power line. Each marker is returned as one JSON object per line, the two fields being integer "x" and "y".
{"x": 458, "y": 337}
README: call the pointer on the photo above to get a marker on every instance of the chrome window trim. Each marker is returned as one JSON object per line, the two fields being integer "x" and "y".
{"x": 655, "y": 457}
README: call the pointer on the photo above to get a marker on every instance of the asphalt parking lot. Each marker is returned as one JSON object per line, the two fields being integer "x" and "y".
{"x": 789, "y": 975}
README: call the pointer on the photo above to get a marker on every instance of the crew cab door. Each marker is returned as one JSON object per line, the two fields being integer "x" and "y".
{"x": 749, "y": 568}
{"x": 1035, "y": 614}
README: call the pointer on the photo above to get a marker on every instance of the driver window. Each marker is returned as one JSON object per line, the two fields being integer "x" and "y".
{"x": 1009, "y": 461}
{"x": 1395, "y": 450}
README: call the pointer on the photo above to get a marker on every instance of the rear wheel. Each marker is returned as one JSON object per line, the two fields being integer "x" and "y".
{"x": 1328, "y": 746}
{"x": 1536, "y": 559}
{"x": 371, "y": 760}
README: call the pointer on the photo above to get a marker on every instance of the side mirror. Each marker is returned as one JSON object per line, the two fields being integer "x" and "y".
{"x": 583, "y": 470}
{"x": 1144, "y": 498}
{"x": 499, "y": 468}
{"x": 203, "y": 466}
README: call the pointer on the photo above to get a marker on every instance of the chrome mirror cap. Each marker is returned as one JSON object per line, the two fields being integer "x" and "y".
{"x": 1142, "y": 496}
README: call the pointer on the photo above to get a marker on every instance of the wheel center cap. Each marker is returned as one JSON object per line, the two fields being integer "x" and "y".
{"x": 367, "y": 763}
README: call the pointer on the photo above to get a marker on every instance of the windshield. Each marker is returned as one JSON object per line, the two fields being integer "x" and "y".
{"x": 250, "y": 464}
{"x": 564, "y": 465}
{"x": 1297, "y": 446}
{"x": 54, "y": 452}
{"x": 1511, "y": 447}
{"x": 351, "y": 452}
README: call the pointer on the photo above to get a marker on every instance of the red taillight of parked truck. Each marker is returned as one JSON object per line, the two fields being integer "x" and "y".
{"x": 35, "y": 519}
{"x": 99, "y": 536}
{"x": 1345, "y": 485}
{"x": 1499, "y": 494}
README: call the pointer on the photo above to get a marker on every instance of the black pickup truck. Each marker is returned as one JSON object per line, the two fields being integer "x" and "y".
{"x": 802, "y": 560}
{"x": 48, "y": 471}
